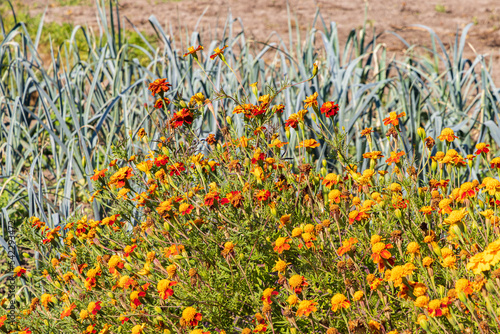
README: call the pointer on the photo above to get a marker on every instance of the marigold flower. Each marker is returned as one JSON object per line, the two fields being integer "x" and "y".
{"x": 346, "y": 246}
{"x": 495, "y": 162}
{"x": 438, "y": 307}
{"x": 447, "y": 134}
{"x": 393, "y": 118}
{"x": 308, "y": 143}
{"x": 19, "y": 271}
{"x": 311, "y": 101}
{"x": 185, "y": 208}
{"x": 413, "y": 248}
{"x": 138, "y": 329}
{"x": 305, "y": 308}
{"x": 297, "y": 282}
{"x": 192, "y": 51}
{"x": 358, "y": 295}
{"x": 380, "y": 253}
{"x": 455, "y": 217}
{"x": 228, "y": 248}
{"x": 164, "y": 288}
{"x": 98, "y": 174}
{"x": 159, "y": 86}
{"x": 218, "y": 53}
{"x": 281, "y": 244}
{"x": 330, "y": 109}
{"x": 66, "y": 311}
{"x": 267, "y": 294}
{"x": 182, "y": 116}
{"x": 280, "y": 266}
{"x": 190, "y": 317}
{"x": 339, "y": 301}
{"x": 394, "y": 158}
{"x": 482, "y": 148}
{"x": 119, "y": 178}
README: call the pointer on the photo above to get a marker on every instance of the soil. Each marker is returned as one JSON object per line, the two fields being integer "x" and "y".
{"x": 261, "y": 17}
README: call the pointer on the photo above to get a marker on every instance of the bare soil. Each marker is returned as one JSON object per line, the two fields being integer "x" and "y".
{"x": 261, "y": 17}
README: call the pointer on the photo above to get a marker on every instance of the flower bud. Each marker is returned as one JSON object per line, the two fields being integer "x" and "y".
{"x": 287, "y": 133}
{"x": 255, "y": 90}
{"x": 434, "y": 165}
{"x": 398, "y": 214}
{"x": 323, "y": 171}
{"x": 84, "y": 162}
{"x": 421, "y": 133}
{"x": 315, "y": 69}
{"x": 158, "y": 309}
{"x": 324, "y": 162}
{"x": 313, "y": 117}
{"x": 424, "y": 324}
{"x": 229, "y": 120}
{"x": 29, "y": 274}
{"x": 26, "y": 255}
{"x": 18, "y": 298}
{"x": 128, "y": 267}
{"x": 111, "y": 295}
{"x": 178, "y": 257}
{"x": 57, "y": 284}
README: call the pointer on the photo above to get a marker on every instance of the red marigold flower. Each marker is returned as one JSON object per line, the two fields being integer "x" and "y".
{"x": 262, "y": 195}
{"x": 234, "y": 197}
{"x": 330, "y": 109}
{"x": 176, "y": 168}
{"x": 267, "y": 294}
{"x": 159, "y": 86}
{"x": 181, "y": 117}
{"x": 394, "y": 158}
{"x": 346, "y": 246}
{"x": 185, "y": 208}
{"x": 66, "y": 312}
{"x": 159, "y": 104}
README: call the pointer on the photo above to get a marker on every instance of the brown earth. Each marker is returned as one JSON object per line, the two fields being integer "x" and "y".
{"x": 261, "y": 17}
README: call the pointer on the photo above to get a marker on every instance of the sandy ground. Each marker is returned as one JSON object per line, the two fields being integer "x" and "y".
{"x": 261, "y": 17}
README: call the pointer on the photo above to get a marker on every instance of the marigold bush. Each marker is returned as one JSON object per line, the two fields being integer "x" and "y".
{"x": 226, "y": 234}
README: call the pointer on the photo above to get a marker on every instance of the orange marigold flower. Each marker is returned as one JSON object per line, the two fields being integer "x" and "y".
{"x": 66, "y": 311}
{"x": 393, "y": 118}
{"x": 330, "y": 109}
{"x": 94, "y": 307}
{"x": 192, "y": 50}
{"x": 281, "y": 244}
{"x": 297, "y": 282}
{"x": 218, "y": 53}
{"x": 447, "y": 134}
{"x": 438, "y": 307}
{"x": 394, "y": 158}
{"x": 263, "y": 195}
{"x": 380, "y": 253}
{"x": 308, "y": 143}
{"x": 98, "y": 174}
{"x": 305, "y": 308}
{"x": 119, "y": 178}
{"x": 311, "y": 101}
{"x": 228, "y": 248}
{"x": 260, "y": 328}
{"x": 339, "y": 301}
{"x": 159, "y": 86}
{"x": 234, "y": 198}
{"x": 346, "y": 246}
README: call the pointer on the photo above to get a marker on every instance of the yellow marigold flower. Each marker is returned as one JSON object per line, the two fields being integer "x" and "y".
{"x": 296, "y": 232}
{"x": 455, "y": 217}
{"x": 197, "y": 98}
{"x": 419, "y": 290}
{"x": 84, "y": 314}
{"x": 311, "y": 101}
{"x": 297, "y": 282}
{"x": 171, "y": 270}
{"x": 375, "y": 239}
{"x": 309, "y": 228}
{"x": 292, "y": 300}
{"x": 374, "y": 325}
{"x": 45, "y": 299}
{"x": 464, "y": 285}
{"x": 138, "y": 329}
{"x": 422, "y": 301}
{"x": 447, "y": 134}
{"x": 190, "y": 317}
{"x": 334, "y": 196}
{"x": 280, "y": 266}
{"x": 413, "y": 248}
{"x": 358, "y": 295}
{"x": 339, "y": 301}
{"x": 395, "y": 187}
